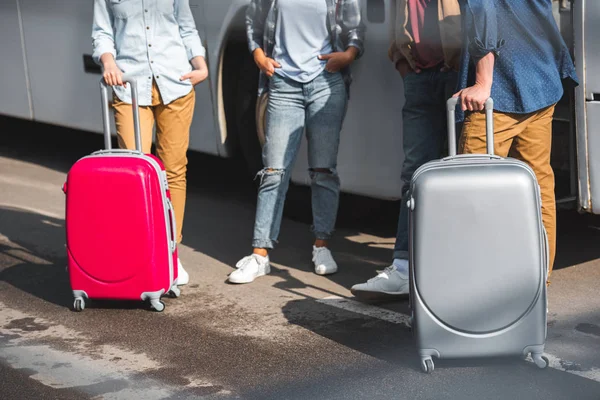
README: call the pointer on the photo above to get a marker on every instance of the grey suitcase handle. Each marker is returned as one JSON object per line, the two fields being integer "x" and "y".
{"x": 489, "y": 125}
{"x": 136, "y": 112}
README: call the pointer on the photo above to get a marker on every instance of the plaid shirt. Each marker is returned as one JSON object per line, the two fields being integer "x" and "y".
{"x": 344, "y": 24}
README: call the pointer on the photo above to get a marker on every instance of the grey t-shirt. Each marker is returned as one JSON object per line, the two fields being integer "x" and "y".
{"x": 301, "y": 36}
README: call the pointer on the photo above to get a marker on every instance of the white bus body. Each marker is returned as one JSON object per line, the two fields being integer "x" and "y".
{"x": 45, "y": 44}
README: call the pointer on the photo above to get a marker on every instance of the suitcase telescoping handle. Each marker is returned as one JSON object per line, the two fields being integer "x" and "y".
{"x": 489, "y": 125}
{"x": 136, "y": 112}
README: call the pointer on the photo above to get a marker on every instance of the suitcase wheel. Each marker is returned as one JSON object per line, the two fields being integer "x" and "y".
{"x": 541, "y": 361}
{"x": 175, "y": 292}
{"x": 427, "y": 365}
{"x": 79, "y": 304}
{"x": 157, "y": 305}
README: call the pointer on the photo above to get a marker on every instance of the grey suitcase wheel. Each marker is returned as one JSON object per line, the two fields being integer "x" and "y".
{"x": 427, "y": 365}
{"x": 79, "y": 304}
{"x": 541, "y": 361}
{"x": 157, "y": 305}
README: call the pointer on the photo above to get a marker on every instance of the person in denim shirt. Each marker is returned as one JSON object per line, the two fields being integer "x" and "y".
{"x": 304, "y": 50}
{"x": 515, "y": 54}
{"x": 156, "y": 42}
{"x": 425, "y": 50}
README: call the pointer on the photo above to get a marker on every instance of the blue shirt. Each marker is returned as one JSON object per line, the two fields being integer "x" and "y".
{"x": 301, "y": 35}
{"x": 532, "y": 59}
{"x": 148, "y": 39}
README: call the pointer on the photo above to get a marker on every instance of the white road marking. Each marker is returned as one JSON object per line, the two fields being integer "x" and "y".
{"x": 402, "y": 319}
{"x": 366, "y": 309}
{"x": 33, "y": 210}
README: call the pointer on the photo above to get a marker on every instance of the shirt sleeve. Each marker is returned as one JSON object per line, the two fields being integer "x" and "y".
{"x": 187, "y": 30}
{"x": 255, "y": 24}
{"x": 103, "y": 40}
{"x": 483, "y": 33}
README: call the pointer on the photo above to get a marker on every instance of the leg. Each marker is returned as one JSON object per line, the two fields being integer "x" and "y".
{"x": 173, "y": 122}
{"x": 326, "y": 109}
{"x": 533, "y": 147}
{"x": 284, "y": 127}
{"x": 324, "y": 118}
{"x": 124, "y": 122}
{"x": 424, "y": 129}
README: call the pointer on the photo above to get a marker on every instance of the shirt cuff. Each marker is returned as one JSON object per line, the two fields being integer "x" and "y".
{"x": 103, "y": 49}
{"x": 253, "y": 45}
{"x": 359, "y": 46}
{"x": 478, "y": 50}
{"x": 195, "y": 49}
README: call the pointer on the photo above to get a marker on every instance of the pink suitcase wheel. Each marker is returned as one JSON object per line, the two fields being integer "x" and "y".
{"x": 79, "y": 304}
{"x": 175, "y": 292}
{"x": 157, "y": 305}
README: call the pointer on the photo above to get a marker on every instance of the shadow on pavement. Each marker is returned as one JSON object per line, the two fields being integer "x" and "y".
{"x": 38, "y": 261}
{"x": 393, "y": 346}
{"x": 36, "y": 265}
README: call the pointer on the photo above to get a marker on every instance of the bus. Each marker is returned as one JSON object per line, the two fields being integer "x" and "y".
{"x": 47, "y": 75}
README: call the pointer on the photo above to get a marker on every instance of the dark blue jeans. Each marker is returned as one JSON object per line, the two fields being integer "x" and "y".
{"x": 424, "y": 133}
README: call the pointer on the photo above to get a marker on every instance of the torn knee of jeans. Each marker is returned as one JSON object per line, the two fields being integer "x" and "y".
{"x": 270, "y": 172}
{"x": 316, "y": 172}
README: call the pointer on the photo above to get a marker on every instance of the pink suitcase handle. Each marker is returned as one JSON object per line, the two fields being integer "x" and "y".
{"x": 136, "y": 112}
{"x": 489, "y": 125}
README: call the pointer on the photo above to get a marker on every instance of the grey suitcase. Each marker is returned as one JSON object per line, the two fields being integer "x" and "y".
{"x": 478, "y": 262}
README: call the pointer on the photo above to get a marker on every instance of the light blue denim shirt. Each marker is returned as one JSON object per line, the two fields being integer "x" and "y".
{"x": 148, "y": 39}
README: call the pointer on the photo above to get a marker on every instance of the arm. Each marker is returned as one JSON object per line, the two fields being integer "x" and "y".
{"x": 256, "y": 15}
{"x": 484, "y": 46}
{"x": 103, "y": 43}
{"x": 483, "y": 32}
{"x": 400, "y": 35}
{"x": 353, "y": 28}
{"x": 350, "y": 20}
{"x": 191, "y": 40}
{"x": 255, "y": 24}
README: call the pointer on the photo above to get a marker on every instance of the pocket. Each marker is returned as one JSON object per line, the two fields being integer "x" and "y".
{"x": 273, "y": 80}
{"x": 165, "y": 6}
{"x": 333, "y": 77}
{"x": 124, "y": 9}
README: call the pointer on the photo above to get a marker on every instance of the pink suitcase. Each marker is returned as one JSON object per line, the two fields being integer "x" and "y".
{"x": 120, "y": 224}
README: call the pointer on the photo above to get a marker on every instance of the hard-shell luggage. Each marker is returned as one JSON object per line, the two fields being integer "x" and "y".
{"x": 120, "y": 224}
{"x": 478, "y": 259}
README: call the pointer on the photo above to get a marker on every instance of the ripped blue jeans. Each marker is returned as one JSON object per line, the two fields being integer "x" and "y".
{"x": 319, "y": 107}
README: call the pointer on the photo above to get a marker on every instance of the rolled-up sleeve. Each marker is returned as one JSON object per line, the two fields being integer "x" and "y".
{"x": 353, "y": 28}
{"x": 255, "y": 23}
{"x": 483, "y": 33}
{"x": 187, "y": 30}
{"x": 103, "y": 40}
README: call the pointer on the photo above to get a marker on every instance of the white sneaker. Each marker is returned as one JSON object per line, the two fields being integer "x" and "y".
{"x": 249, "y": 268}
{"x": 182, "y": 276}
{"x": 389, "y": 283}
{"x": 324, "y": 262}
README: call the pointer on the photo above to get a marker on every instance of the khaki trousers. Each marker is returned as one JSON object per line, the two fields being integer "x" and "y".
{"x": 527, "y": 137}
{"x": 173, "y": 122}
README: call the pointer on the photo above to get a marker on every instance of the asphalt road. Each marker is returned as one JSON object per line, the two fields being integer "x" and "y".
{"x": 290, "y": 335}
